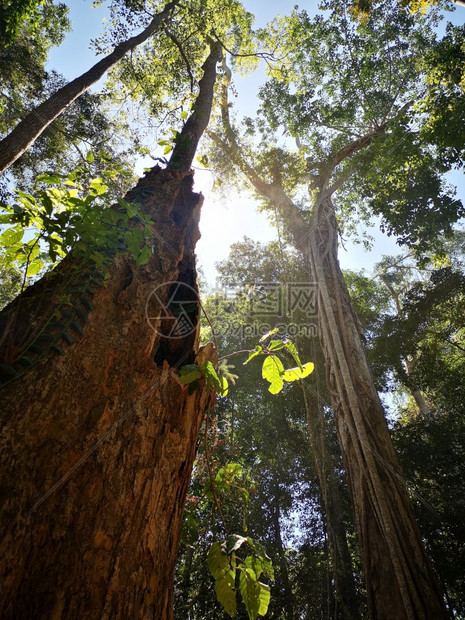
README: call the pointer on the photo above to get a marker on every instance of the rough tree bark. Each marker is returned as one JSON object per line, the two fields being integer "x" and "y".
{"x": 399, "y": 578}
{"x": 400, "y": 581}
{"x": 30, "y": 128}
{"x": 97, "y": 444}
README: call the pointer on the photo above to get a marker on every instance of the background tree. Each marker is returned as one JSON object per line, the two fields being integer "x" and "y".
{"x": 345, "y": 129}
{"x": 425, "y": 327}
{"x": 24, "y": 134}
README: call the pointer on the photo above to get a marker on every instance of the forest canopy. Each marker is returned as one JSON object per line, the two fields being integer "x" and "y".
{"x": 324, "y": 407}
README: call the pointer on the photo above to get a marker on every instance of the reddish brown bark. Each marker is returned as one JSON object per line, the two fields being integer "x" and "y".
{"x": 97, "y": 444}
{"x": 103, "y": 541}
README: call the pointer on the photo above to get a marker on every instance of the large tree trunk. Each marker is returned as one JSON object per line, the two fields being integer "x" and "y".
{"x": 30, "y": 128}
{"x": 341, "y": 562}
{"x": 97, "y": 444}
{"x": 400, "y": 581}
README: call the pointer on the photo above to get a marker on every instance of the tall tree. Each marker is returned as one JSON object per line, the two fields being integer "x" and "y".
{"x": 29, "y": 128}
{"x": 268, "y": 435}
{"x": 343, "y": 93}
{"x": 98, "y": 443}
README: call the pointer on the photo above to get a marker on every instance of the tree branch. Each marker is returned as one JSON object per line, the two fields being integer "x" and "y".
{"x": 30, "y": 128}
{"x": 187, "y": 141}
{"x": 173, "y": 38}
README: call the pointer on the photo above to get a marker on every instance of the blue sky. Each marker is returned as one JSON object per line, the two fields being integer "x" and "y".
{"x": 223, "y": 221}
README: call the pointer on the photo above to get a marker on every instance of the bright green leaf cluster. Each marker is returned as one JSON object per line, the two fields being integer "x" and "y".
{"x": 67, "y": 216}
{"x": 191, "y": 373}
{"x": 223, "y": 562}
{"x": 273, "y": 370}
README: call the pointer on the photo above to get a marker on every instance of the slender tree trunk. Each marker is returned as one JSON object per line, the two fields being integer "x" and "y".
{"x": 282, "y": 561}
{"x": 408, "y": 362}
{"x": 97, "y": 444}
{"x": 30, "y": 128}
{"x": 400, "y": 581}
{"x": 339, "y": 551}
{"x": 418, "y": 397}
{"x": 421, "y": 402}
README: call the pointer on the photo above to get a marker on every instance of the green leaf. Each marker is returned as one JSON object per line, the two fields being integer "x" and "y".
{"x": 77, "y": 328}
{"x": 67, "y": 337}
{"x": 253, "y": 354}
{"x": 189, "y": 374}
{"x": 224, "y": 386}
{"x": 81, "y": 314}
{"x": 203, "y": 160}
{"x": 223, "y": 480}
{"x": 34, "y": 267}
{"x": 222, "y": 567}
{"x": 89, "y": 157}
{"x": 189, "y": 377}
{"x": 11, "y": 236}
{"x": 184, "y": 115}
{"x": 226, "y": 594}
{"x": 209, "y": 372}
{"x": 87, "y": 303}
{"x": 250, "y": 591}
{"x": 133, "y": 245}
{"x": 266, "y": 563}
{"x": 290, "y": 346}
{"x": 144, "y": 256}
{"x": 293, "y": 374}
{"x": 193, "y": 386}
{"x": 271, "y": 371}
{"x": 264, "y": 598}
{"x": 49, "y": 178}
{"x": 275, "y": 345}
{"x": 255, "y": 564}
{"x": 98, "y": 187}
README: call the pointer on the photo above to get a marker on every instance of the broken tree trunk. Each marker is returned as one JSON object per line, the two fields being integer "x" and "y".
{"x": 97, "y": 444}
